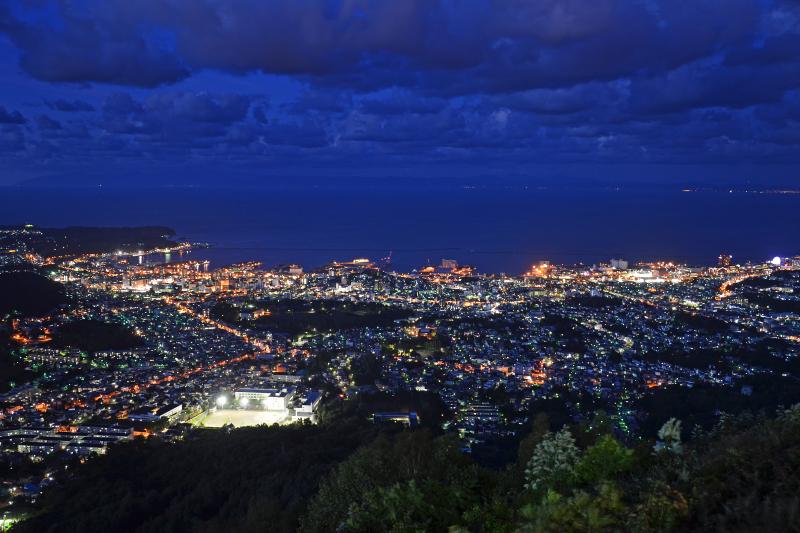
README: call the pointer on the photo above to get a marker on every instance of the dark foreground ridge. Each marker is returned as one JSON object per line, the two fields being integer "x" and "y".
{"x": 742, "y": 475}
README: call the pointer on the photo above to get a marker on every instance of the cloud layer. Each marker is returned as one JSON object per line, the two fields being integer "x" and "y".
{"x": 415, "y": 83}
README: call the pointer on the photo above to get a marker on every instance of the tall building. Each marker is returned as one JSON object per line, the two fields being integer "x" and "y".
{"x": 449, "y": 264}
{"x": 724, "y": 260}
{"x": 619, "y": 264}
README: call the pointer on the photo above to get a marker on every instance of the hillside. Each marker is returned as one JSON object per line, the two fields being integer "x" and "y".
{"x": 28, "y": 294}
{"x": 742, "y": 475}
{"x": 94, "y": 335}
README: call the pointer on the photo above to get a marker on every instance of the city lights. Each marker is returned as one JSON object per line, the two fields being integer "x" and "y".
{"x": 240, "y": 345}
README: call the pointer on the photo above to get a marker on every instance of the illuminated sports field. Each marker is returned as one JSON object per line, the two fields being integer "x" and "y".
{"x": 239, "y": 418}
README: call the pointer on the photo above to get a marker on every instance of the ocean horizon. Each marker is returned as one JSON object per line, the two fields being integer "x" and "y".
{"x": 503, "y": 229}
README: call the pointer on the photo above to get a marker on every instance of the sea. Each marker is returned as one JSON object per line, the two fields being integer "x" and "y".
{"x": 504, "y": 229}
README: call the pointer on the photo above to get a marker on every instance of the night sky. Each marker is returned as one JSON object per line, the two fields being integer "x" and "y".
{"x": 214, "y": 91}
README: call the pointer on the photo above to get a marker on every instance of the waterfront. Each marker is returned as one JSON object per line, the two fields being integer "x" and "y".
{"x": 495, "y": 229}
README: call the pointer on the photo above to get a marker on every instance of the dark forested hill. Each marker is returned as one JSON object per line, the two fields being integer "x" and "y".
{"x": 251, "y": 479}
{"x": 87, "y": 239}
{"x": 94, "y": 335}
{"x": 28, "y": 293}
{"x": 741, "y": 475}
{"x": 78, "y": 240}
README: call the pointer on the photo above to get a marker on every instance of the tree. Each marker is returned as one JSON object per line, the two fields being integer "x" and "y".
{"x": 553, "y": 461}
{"x": 410, "y": 481}
{"x": 579, "y": 513}
{"x": 605, "y": 460}
{"x": 670, "y": 437}
{"x": 404, "y": 507}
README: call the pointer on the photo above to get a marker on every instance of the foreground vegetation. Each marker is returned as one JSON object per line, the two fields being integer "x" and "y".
{"x": 251, "y": 479}
{"x": 741, "y": 475}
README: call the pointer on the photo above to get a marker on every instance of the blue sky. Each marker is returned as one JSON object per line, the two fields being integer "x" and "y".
{"x": 214, "y": 91}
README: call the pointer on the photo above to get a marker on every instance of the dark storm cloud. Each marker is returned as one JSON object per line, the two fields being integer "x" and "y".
{"x": 306, "y": 134}
{"x": 261, "y": 134}
{"x": 199, "y": 107}
{"x": 780, "y": 49}
{"x": 321, "y": 101}
{"x": 78, "y": 46}
{"x": 191, "y": 113}
{"x": 8, "y": 116}
{"x": 402, "y": 128}
{"x": 566, "y": 100}
{"x": 11, "y": 140}
{"x": 213, "y": 124}
{"x": 416, "y": 82}
{"x": 501, "y": 45}
{"x": 47, "y": 123}
{"x": 708, "y": 85}
{"x": 69, "y": 106}
{"x": 401, "y": 102}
